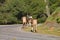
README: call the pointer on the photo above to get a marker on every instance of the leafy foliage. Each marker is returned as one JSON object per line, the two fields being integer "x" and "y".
{"x": 11, "y": 11}
{"x": 53, "y": 5}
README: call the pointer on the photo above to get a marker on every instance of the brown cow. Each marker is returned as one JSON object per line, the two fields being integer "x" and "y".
{"x": 34, "y": 25}
{"x": 24, "y": 20}
{"x": 30, "y": 22}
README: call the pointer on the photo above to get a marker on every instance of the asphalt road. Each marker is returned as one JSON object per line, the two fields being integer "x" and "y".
{"x": 14, "y": 32}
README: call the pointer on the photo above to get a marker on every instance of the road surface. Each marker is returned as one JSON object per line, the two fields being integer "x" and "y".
{"x": 14, "y": 32}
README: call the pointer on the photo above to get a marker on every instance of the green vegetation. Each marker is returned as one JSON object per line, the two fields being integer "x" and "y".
{"x": 55, "y": 16}
{"x": 11, "y": 11}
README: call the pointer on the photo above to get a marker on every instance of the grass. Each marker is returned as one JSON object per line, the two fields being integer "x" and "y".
{"x": 45, "y": 30}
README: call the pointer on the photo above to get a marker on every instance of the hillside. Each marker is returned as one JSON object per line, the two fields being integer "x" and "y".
{"x": 54, "y": 19}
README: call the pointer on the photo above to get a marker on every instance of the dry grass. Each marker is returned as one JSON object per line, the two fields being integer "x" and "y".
{"x": 43, "y": 30}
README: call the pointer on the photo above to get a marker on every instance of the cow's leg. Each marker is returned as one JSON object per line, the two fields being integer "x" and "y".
{"x": 36, "y": 28}
{"x": 24, "y": 24}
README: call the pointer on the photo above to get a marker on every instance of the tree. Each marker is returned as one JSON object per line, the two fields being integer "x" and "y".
{"x": 47, "y": 7}
{"x": 15, "y": 8}
{"x": 53, "y": 4}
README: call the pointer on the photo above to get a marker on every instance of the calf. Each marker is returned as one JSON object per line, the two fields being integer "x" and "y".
{"x": 34, "y": 25}
{"x": 24, "y": 21}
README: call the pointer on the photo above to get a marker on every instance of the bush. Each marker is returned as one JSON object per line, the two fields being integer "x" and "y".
{"x": 58, "y": 20}
{"x": 42, "y": 18}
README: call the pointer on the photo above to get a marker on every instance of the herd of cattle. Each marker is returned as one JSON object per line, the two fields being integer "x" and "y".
{"x": 32, "y": 23}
